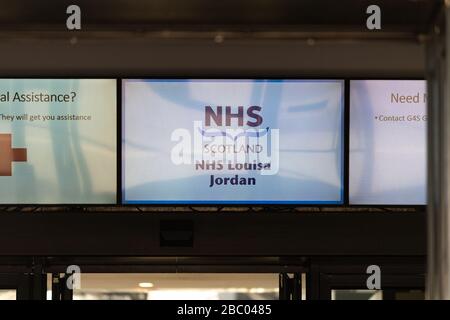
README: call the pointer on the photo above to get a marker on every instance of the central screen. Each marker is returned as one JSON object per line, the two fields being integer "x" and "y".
{"x": 232, "y": 141}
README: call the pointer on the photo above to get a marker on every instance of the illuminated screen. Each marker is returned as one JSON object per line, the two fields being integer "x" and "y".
{"x": 388, "y": 142}
{"x": 232, "y": 141}
{"x": 57, "y": 141}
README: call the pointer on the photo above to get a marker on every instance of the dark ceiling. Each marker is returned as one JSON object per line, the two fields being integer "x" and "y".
{"x": 329, "y": 15}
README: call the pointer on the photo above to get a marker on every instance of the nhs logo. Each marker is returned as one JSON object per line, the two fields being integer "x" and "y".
{"x": 226, "y": 116}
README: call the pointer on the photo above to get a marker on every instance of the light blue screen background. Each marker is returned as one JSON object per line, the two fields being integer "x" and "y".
{"x": 387, "y": 158}
{"x": 69, "y": 162}
{"x": 308, "y": 114}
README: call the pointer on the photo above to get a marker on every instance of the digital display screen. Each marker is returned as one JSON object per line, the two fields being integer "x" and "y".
{"x": 388, "y": 142}
{"x": 232, "y": 141}
{"x": 58, "y": 141}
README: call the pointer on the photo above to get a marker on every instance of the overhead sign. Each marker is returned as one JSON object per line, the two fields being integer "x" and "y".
{"x": 388, "y": 142}
{"x": 57, "y": 141}
{"x": 232, "y": 141}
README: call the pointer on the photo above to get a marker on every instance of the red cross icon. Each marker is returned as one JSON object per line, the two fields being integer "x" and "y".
{"x": 8, "y": 154}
